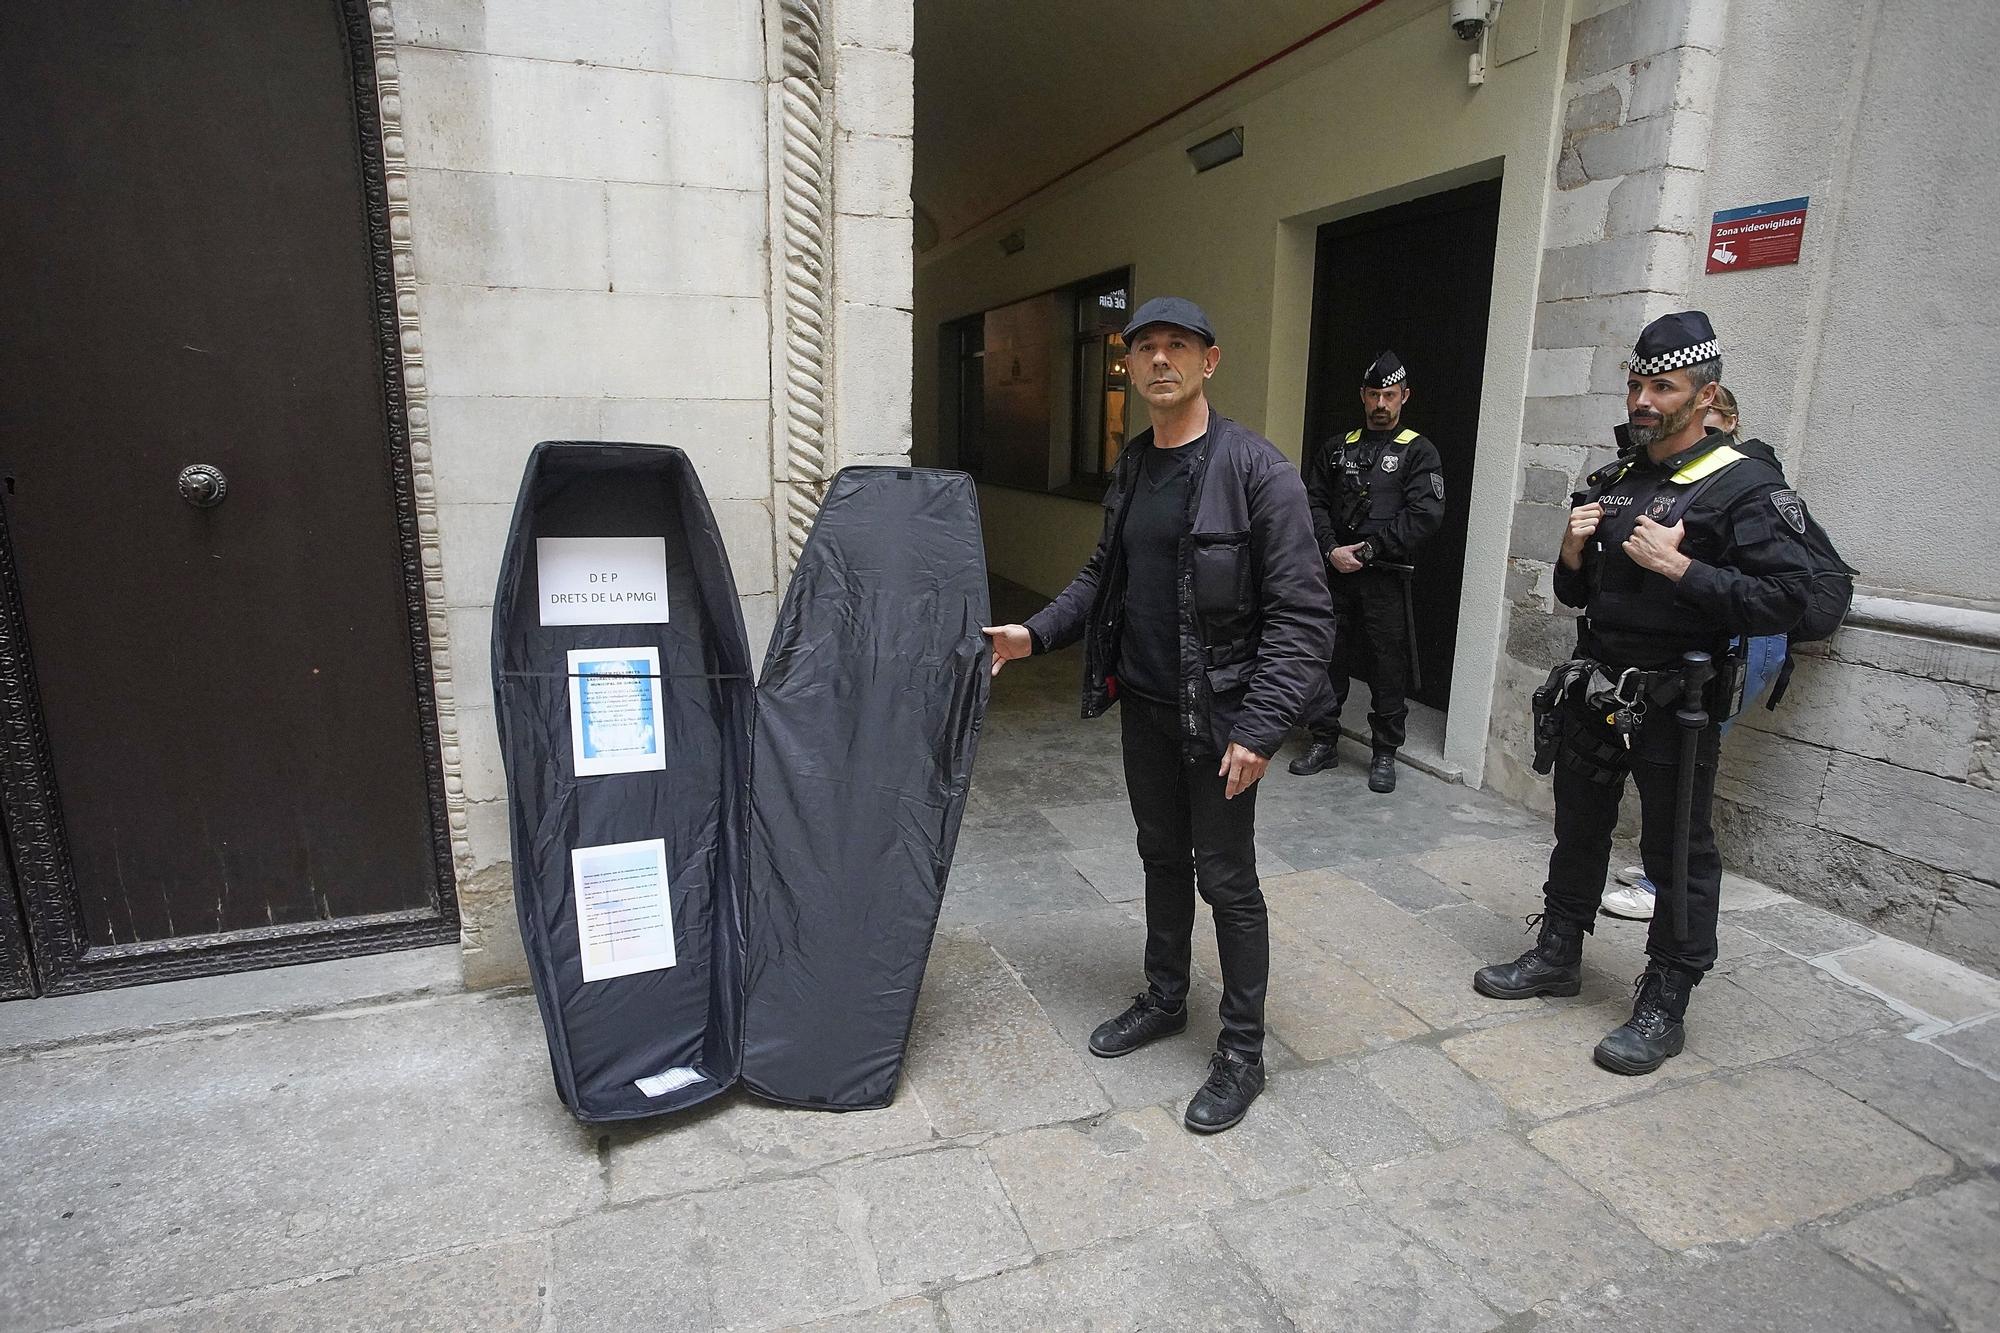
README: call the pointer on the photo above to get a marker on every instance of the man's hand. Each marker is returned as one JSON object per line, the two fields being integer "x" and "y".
{"x": 1009, "y": 642}
{"x": 1583, "y": 521}
{"x": 1242, "y": 766}
{"x": 1658, "y": 548}
{"x": 1346, "y": 559}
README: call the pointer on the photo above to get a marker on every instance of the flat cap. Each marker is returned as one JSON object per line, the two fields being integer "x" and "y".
{"x": 1175, "y": 310}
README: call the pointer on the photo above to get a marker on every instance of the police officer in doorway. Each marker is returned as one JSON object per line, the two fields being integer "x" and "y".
{"x": 1377, "y": 496}
{"x": 1682, "y": 544}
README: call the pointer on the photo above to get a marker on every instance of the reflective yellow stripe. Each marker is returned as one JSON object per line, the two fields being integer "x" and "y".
{"x": 1405, "y": 437}
{"x": 1707, "y": 465}
{"x": 1354, "y": 437}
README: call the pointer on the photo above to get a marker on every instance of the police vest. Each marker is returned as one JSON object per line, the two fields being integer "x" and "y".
{"x": 1633, "y": 611}
{"x": 1369, "y": 491}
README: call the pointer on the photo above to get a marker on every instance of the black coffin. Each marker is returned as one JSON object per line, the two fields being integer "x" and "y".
{"x": 808, "y": 820}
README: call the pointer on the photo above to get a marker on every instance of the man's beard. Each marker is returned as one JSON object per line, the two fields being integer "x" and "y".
{"x": 1671, "y": 424}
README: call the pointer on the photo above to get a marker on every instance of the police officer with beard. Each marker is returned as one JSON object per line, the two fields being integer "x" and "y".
{"x": 1683, "y": 543}
{"x": 1377, "y": 496}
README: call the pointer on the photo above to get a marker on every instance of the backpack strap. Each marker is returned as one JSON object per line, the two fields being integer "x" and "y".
{"x": 1783, "y": 682}
{"x": 1697, "y": 477}
{"x": 1708, "y": 464}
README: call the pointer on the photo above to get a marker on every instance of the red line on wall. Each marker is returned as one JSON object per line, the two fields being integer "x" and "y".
{"x": 1188, "y": 105}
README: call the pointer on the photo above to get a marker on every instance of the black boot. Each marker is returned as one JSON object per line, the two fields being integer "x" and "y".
{"x": 1143, "y": 1022}
{"x": 1656, "y": 1031}
{"x": 1382, "y": 771}
{"x": 1234, "y": 1081}
{"x": 1319, "y": 756}
{"x": 1553, "y": 967}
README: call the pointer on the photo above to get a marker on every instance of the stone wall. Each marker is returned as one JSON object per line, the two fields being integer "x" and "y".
{"x": 1871, "y": 789}
{"x": 598, "y": 220}
{"x": 844, "y": 345}
{"x": 1620, "y": 239}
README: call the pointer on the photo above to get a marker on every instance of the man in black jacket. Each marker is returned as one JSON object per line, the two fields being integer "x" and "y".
{"x": 1377, "y": 495}
{"x": 1204, "y": 611}
{"x": 1681, "y": 544}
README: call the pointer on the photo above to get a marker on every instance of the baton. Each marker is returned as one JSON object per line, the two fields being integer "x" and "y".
{"x": 1697, "y": 669}
{"x": 1405, "y": 574}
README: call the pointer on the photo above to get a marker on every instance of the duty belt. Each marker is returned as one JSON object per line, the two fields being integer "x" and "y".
{"x": 1621, "y": 695}
{"x": 1597, "y": 684}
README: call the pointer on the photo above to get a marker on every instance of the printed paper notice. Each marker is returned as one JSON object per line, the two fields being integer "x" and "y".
{"x": 602, "y": 580}
{"x": 624, "y": 923}
{"x": 668, "y": 1080}
{"x": 614, "y": 711}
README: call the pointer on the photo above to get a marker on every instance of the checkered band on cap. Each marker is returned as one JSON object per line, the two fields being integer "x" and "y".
{"x": 1395, "y": 377}
{"x": 1675, "y": 359}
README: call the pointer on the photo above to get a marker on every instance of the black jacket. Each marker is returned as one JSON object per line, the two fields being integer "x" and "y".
{"x": 1256, "y": 622}
{"x": 1389, "y": 491}
{"x": 1751, "y": 571}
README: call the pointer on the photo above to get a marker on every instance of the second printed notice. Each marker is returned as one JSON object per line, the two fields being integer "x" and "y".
{"x": 614, "y": 711}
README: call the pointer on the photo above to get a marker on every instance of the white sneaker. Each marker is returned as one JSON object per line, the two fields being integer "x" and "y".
{"x": 1634, "y": 902}
{"x": 1632, "y": 875}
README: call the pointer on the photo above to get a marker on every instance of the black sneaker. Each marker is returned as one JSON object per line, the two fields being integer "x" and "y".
{"x": 1319, "y": 757}
{"x": 1144, "y": 1022}
{"x": 1554, "y": 966}
{"x": 1656, "y": 1031}
{"x": 1234, "y": 1081}
{"x": 1382, "y": 771}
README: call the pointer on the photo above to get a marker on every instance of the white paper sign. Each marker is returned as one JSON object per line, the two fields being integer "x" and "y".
{"x": 668, "y": 1080}
{"x": 602, "y": 580}
{"x": 614, "y": 711}
{"x": 624, "y": 921}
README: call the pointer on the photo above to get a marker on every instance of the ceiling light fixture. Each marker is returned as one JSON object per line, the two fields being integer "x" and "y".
{"x": 1014, "y": 242}
{"x": 1213, "y": 152}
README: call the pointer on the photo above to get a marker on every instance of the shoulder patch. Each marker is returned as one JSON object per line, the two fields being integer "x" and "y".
{"x": 1790, "y": 508}
{"x": 1405, "y": 437}
{"x": 1437, "y": 485}
{"x": 1354, "y": 437}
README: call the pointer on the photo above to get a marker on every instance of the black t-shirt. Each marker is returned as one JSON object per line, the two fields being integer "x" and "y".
{"x": 1156, "y": 518}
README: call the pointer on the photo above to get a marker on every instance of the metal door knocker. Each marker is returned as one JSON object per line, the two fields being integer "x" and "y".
{"x": 202, "y": 485}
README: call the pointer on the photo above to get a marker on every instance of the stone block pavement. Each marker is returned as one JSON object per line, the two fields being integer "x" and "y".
{"x": 1825, "y": 1156}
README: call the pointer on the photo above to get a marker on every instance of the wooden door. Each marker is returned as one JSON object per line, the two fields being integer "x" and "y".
{"x": 219, "y": 739}
{"x": 1417, "y": 278}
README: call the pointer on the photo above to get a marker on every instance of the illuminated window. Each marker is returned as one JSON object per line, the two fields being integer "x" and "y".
{"x": 1033, "y": 392}
{"x": 1097, "y": 417}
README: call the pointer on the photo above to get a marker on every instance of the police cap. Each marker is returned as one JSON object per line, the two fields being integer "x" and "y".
{"x": 1384, "y": 372}
{"x": 1673, "y": 342}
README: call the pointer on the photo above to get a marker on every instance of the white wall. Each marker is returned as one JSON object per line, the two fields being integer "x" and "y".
{"x": 1868, "y": 363}
{"x": 1386, "y": 121}
{"x": 1875, "y": 787}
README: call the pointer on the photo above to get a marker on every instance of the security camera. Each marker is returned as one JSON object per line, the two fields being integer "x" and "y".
{"x": 1470, "y": 17}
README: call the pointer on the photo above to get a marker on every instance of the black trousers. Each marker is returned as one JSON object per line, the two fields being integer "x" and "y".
{"x": 1370, "y": 633}
{"x": 1587, "y": 816}
{"x": 1191, "y": 838}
